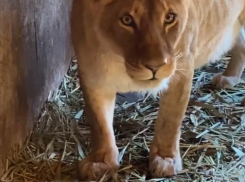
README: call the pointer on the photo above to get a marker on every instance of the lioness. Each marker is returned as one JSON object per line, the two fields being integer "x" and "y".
{"x": 149, "y": 46}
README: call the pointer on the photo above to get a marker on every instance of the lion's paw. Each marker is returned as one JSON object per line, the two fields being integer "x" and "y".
{"x": 165, "y": 167}
{"x": 221, "y": 81}
{"x": 95, "y": 166}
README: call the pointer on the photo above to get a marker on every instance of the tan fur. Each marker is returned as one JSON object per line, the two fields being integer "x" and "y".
{"x": 115, "y": 58}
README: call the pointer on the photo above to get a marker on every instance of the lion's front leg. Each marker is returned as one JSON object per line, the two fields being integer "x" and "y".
{"x": 165, "y": 159}
{"x": 104, "y": 156}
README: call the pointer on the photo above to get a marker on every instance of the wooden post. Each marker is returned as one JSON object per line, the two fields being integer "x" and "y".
{"x": 35, "y": 53}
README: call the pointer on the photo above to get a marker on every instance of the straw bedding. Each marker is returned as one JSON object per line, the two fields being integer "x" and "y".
{"x": 212, "y": 142}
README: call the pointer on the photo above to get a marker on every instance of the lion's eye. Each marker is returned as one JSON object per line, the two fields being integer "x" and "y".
{"x": 170, "y": 18}
{"x": 127, "y": 20}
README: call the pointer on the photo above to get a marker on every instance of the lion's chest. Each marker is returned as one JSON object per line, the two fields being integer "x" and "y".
{"x": 218, "y": 31}
{"x": 212, "y": 50}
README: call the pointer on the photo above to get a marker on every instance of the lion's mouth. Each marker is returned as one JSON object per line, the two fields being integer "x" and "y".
{"x": 142, "y": 75}
{"x": 153, "y": 78}
{"x": 149, "y": 74}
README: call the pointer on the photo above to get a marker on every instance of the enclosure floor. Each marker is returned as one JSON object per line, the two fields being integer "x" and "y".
{"x": 212, "y": 142}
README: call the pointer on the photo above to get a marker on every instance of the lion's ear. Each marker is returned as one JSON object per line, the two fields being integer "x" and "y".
{"x": 105, "y": 2}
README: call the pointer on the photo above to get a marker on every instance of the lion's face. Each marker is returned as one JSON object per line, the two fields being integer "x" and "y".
{"x": 145, "y": 33}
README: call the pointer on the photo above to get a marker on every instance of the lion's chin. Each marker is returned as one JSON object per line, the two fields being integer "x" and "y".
{"x": 154, "y": 87}
{"x": 146, "y": 82}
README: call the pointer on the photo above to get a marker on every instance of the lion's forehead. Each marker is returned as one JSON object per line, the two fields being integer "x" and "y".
{"x": 157, "y": 8}
{"x": 149, "y": 8}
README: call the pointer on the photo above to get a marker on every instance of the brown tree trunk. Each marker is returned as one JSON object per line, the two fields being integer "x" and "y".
{"x": 34, "y": 55}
